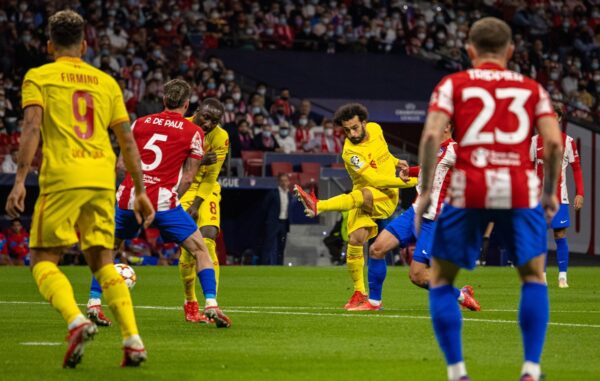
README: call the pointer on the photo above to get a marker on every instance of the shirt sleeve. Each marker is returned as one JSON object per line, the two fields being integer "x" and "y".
{"x": 573, "y": 157}
{"x": 544, "y": 105}
{"x": 119, "y": 112}
{"x": 32, "y": 90}
{"x": 442, "y": 98}
{"x": 220, "y": 148}
{"x": 356, "y": 162}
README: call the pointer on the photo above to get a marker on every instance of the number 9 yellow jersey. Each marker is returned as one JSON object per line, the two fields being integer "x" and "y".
{"x": 80, "y": 103}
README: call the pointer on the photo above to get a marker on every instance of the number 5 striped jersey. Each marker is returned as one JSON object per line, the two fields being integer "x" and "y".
{"x": 80, "y": 103}
{"x": 494, "y": 112}
{"x": 165, "y": 140}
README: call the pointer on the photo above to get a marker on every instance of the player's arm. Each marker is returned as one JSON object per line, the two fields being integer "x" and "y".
{"x": 212, "y": 173}
{"x": 131, "y": 158}
{"x": 190, "y": 168}
{"x": 577, "y": 175}
{"x": 370, "y": 176}
{"x": 428, "y": 147}
{"x": 549, "y": 131}
{"x": 30, "y": 139}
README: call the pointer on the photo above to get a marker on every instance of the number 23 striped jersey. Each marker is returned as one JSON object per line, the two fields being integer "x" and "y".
{"x": 494, "y": 112}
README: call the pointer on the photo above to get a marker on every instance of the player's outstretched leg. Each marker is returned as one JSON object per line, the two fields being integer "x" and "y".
{"x": 342, "y": 202}
{"x": 206, "y": 275}
{"x": 94, "y": 306}
{"x": 533, "y": 316}
{"x": 355, "y": 262}
{"x": 118, "y": 299}
{"x": 56, "y": 288}
{"x": 187, "y": 273}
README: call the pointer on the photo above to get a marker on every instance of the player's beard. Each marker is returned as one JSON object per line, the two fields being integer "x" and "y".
{"x": 358, "y": 139}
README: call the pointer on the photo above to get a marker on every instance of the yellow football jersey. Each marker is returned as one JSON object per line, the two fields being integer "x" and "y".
{"x": 370, "y": 155}
{"x": 205, "y": 182}
{"x": 80, "y": 103}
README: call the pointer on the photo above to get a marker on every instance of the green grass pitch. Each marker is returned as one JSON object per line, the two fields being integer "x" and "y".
{"x": 288, "y": 324}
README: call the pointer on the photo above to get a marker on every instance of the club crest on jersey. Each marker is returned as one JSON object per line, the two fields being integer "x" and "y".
{"x": 479, "y": 157}
{"x": 441, "y": 151}
{"x": 355, "y": 161}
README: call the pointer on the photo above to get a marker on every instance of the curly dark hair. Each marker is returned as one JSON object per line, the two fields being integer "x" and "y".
{"x": 349, "y": 111}
{"x": 66, "y": 28}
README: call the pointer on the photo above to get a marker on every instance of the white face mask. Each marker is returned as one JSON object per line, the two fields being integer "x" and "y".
{"x": 137, "y": 74}
{"x": 229, "y": 106}
{"x": 303, "y": 121}
{"x": 236, "y": 96}
{"x": 194, "y": 99}
{"x": 329, "y": 132}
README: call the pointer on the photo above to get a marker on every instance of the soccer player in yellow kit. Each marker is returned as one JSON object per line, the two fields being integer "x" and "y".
{"x": 374, "y": 195}
{"x": 72, "y": 105}
{"x": 202, "y": 200}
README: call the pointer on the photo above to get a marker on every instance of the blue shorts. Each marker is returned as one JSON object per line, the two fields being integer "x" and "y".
{"x": 403, "y": 228}
{"x": 561, "y": 219}
{"x": 458, "y": 234}
{"x": 175, "y": 225}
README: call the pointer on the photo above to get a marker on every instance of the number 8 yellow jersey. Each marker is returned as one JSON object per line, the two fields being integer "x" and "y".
{"x": 80, "y": 103}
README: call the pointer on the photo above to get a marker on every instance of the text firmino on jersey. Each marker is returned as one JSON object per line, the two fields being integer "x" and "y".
{"x": 79, "y": 78}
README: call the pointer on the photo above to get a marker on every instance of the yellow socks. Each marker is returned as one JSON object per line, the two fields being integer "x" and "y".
{"x": 118, "y": 299}
{"x": 348, "y": 201}
{"x": 212, "y": 250}
{"x": 187, "y": 273}
{"x": 355, "y": 260}
{"x": 56, "y": 288}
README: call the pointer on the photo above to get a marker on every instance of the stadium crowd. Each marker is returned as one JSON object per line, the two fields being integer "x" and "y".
{"x": 144, "y": 44}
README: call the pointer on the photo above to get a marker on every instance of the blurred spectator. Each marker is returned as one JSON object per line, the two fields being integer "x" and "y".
{"x": 9, "y": 165}
{"x": 265, "y": 141}
{"x": 18, "y": 242}
{"x": 242, "y": 140}
{"x": 330, "y": 143}
{"x": 305, "y": 110}
{"x": 285, "y": 139}
{"x": 151, "y": 102}
{"x": 283, "y": 104}
{"x": 280, "y": 115}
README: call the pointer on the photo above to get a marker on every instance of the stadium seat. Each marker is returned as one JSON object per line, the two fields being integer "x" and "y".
{"x": 311, "y": 168}
{"x": 253, "y": 162}
{"x": 4, "y": 149}
{"x": 338, "y": 165}
{"x": 294, "y": 178}
{"x": 309, "y": 181}
{"x": 281, "y": 167}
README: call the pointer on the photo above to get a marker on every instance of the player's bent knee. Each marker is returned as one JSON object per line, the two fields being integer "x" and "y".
{"x": 560, "y": 233}
{"x": 377, "y": 251}
{"x": 209, "y": 232}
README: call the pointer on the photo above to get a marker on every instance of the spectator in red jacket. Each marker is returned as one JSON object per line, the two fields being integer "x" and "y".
{"x": 18, "y": 242}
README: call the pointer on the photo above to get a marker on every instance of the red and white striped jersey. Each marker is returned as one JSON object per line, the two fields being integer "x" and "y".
{"x": 165, "y": 140}
{"x": 446, "y": 158}
{"x": 570, "y": 156}
{"x": 493, "y": 111}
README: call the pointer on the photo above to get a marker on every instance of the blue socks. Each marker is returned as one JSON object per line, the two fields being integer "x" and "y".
{"x": 95, "y": 289}
{"x": 208, "y": 283}
{"x": 562, "y": 254}
{"x": 447, "y": 322}
{"x": 377, "y": 271}
{"x": 533, "y": 319}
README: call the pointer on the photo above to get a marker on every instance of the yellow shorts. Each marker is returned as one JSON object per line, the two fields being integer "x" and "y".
{"x": 384, "y": 205}
{"x": 59, "y": 215}
{"x": 209, "y": 213}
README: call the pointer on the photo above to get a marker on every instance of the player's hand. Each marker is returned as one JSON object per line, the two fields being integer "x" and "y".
{"x": 403, "y": 174}
{"x": 209, "y": 158}
{"x": 15, "y": 204}
{"x": 578, "y": 204}
{"x": 402, "y": 164}
{"x": 143, "y": 209}
{"x": 550, "y": 205}
{"x": 422, "y": 206}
